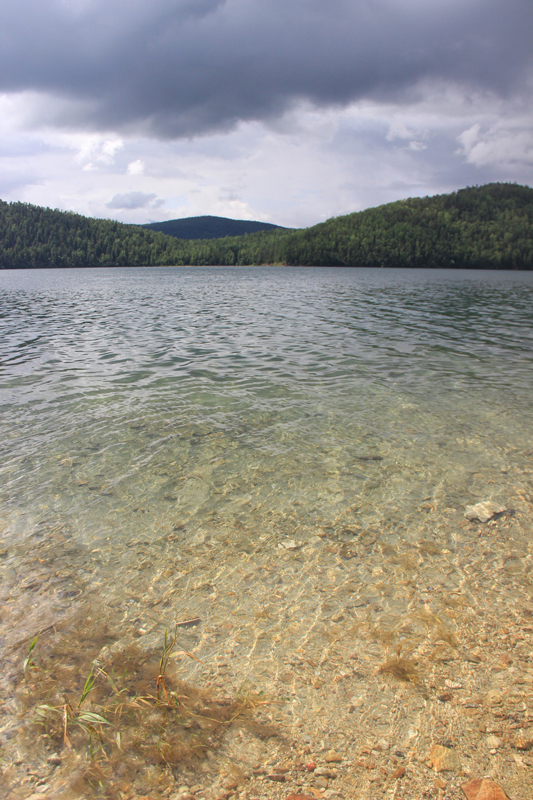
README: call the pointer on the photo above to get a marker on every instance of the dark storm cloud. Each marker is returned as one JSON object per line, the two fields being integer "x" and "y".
{"x": 183, "y": 67}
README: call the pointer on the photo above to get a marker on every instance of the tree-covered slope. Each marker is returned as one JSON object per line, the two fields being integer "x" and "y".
{"x": 480, "y": 227}
{"x": 209, "y": 227}
{"x": 31, "y": 236}
{"x": 486, "y": 227}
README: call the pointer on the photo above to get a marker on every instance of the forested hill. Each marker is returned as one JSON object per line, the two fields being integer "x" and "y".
{"x": 485, "y": 227}
{"x": 209, "y": 227}
{"x": 481, "y": 227}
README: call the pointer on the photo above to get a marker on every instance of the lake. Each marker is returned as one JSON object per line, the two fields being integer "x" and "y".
{"x": 279, "y": 461}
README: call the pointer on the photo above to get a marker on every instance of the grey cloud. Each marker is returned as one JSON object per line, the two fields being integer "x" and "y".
{"x": 184, "y": 67}
{"x": 133, "y": 200}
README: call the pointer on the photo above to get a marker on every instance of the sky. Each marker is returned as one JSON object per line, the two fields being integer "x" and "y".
{"x": 286, "y": 111}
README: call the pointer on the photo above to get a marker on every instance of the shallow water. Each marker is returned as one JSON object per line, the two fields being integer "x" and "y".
{"x": 257, "y": 448}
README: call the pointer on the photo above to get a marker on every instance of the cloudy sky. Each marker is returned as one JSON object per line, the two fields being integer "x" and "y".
{"x": 288, "y": 111}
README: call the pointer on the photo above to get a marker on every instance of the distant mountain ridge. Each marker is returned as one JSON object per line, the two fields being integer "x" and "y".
{"x": 480, "y": 227}
{"x": 209, "y": 227}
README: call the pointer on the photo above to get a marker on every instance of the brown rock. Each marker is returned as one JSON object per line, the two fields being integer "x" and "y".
{"x": 332, "y": 757}
{"x": 493, "y": 698}
{"x": 324, "y": 772}
{"x": 523, "y": 742}
{"x": 440, "y": 783}
{"x": 445, "y": 697}
{"x": 300, "y": 797}
{"x": 399, "y": 772}
{"x": 483, "y": 789}
{"x": 276, "y": 776}
{"x": 444, "y": 759}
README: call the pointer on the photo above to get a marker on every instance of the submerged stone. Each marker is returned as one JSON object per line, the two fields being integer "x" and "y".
{"x": 444, "y": 759}
{"x": 484, "y": 511}
{"x": 483, "y": 789}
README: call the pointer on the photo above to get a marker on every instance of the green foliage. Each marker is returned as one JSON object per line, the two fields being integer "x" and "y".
{"x": 29, "y": 663}
{"x": 483, "y": 227}
{"x": 31, "y": 237}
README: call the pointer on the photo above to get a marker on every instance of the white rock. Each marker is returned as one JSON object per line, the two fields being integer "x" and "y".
{"x": 290, "y": 544}
{"x": 494, "y": 742}
{"x": 453, "y": 684}
{"x": 382, "y": 745}
{"x": 484, "y": 511}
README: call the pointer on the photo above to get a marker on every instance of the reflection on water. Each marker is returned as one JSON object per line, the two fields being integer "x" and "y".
{"x": 284, "y": 454}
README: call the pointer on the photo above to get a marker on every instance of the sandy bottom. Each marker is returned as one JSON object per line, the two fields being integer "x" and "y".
{"x": 352, "y": 657}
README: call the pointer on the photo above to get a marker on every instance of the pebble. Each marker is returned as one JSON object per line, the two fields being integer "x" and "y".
{"x": 382, "y": 746}
{"x": 291, "y": 544}
{"x": 325, "y": 773}
{"x": 332, "y": 757}
{"x": 494, "y": 742}
{"x": 399, "y": 772}
{"x": 493, "y": 698}
{"x": 483, "y": 789}
{"x": 484, "y": 511}
{"x": 444, "y": 759}
{"x": 445, "y": 697}
{"x": 523, "y": 742}
{"x": 453, "y": 684}
{"x": 300, "y": 797}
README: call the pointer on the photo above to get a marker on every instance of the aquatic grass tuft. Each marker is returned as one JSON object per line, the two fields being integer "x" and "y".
{"x": 130, "y": 713}
{"x": 168, "y": 646}
{"x": 29, "y": 663}
{"x": 402, "y": 668}
{"x": 89, "y": 683}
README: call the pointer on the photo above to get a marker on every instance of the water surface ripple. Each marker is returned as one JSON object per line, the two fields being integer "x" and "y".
{"x": 258, "y": 448}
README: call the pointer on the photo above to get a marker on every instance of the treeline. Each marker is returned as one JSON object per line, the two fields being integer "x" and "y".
{"x": 31, "y": 236}
{"x": 478, "y": 228}
{"x": 485, "y": 227}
